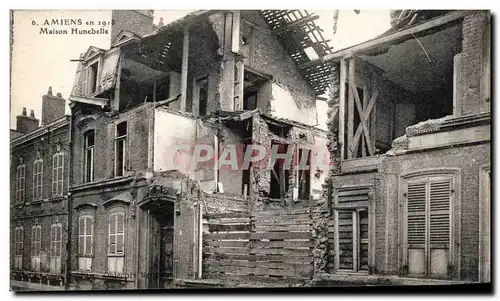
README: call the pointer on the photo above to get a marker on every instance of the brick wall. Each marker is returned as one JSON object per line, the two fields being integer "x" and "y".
{"x": 104, "y": 125}
{"x": 473, "y": 30}
{"x": 468, "y": 159}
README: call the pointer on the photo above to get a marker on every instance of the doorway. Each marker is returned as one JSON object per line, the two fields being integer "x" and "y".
{"x": 158, "y": 243}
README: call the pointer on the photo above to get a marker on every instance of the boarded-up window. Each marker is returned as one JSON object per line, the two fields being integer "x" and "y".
{"x": 351, "y": 229}
{"x": 428, "y": 226}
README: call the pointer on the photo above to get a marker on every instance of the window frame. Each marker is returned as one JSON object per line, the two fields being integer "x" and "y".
{"x": 58, "y": 173}
{"x": 455, "y": 216}
{"x": 85, "y": 211}
{"x": 38, "y": 179}
{"x": 88, "y": 178}
{"x": 124, "y": 140}
{"x": 114, "y": 258}
{"x": 196, "y": 93}
{"x": 18, "y": 247}
{"x": 55, "y": 258}
{"x": 36, "y": 245}
{"x": 21, "y": 183}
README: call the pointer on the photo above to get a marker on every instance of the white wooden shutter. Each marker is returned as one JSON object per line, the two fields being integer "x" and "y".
{"x": 439, "y": 225}
{"x": 416, "y": 227}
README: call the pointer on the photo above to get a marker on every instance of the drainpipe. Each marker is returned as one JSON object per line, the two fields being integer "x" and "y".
{"x": 138, "y": 237}
{"x": 70, "y": 207}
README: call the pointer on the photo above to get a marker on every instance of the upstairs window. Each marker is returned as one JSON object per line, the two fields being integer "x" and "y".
{"x": 88, "y": 153}
{"x": 36, "y": 243}
{"x": 120, "y": 148}
{"x": 37, "y": 178}
{"x": 18, "y": 247}
{"x": 57, "y": 172}
{"x": 20, "y": 182}
{"x": 200, "y": 95}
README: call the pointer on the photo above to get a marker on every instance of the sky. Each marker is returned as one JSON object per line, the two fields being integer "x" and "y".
{"x": 40, "y": 60}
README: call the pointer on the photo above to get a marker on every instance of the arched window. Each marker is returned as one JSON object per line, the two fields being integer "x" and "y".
{"x": 55, "y": 247}
{"x": 57, "y": 172}
{"x": 88, "y": 155}
{"x": 18, "y": 247}
{"x": 20, "y": 181}
{"x": 116, "y": 240}
{"x": 36, "y": 244}
{"x": 85, "y": 240}
{"x": 38, "y": 178}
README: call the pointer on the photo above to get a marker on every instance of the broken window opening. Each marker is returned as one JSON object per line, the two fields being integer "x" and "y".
{"x": 408, "y": 83}
{"x": 93, "y": 77}
{"x": 140, "y": 83}
{"x": 200, "y": 95}
{"x": 254, "y": 90}
{"x": 279, "y": 175}
{"x": 282, "y": 131}
{"x": 120, "y": 148}
{"x": 304, "y": 174}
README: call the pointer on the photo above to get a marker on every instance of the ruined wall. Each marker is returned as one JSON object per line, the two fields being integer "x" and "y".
{"x": 267, "y": 55}
{"x": 172, "y": 129}
{"x": 474, "y": 58}
{"x": 231, "y": 179}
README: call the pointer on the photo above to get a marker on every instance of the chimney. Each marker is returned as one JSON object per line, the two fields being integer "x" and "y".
{"x": 53, "y": 107}
{"x": 27, "y": 123}
{"x": 139, "y": 22}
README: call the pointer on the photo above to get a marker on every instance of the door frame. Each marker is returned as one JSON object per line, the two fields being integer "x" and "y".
{"x": 485, "y": 223}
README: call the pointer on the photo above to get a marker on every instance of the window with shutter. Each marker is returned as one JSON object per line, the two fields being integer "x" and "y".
{"x": 18, "y": 247}
{"x": 55, "y": 246}
{"x": 85, "y": 241}
{"x": 36, "y": 237}
{"x": 116, "y": 242}
{"x": 428, "y": 226}
{"x": 57, "y": 173}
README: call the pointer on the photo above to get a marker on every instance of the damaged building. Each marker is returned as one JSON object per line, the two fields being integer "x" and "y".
{"x": 409, "y": 123}
{"x": 224, "y": 79}
{"x": 39, "y": 166}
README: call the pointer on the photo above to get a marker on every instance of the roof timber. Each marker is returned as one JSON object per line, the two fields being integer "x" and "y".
{"x": 336, "y": 56}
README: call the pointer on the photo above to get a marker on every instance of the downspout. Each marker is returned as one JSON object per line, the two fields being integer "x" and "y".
{"x": 70, "y": 207}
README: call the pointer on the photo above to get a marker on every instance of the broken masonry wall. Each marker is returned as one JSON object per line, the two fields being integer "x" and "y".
{"x": 172, "y": 129}
{"x": 230, "y": 177}
{"x": 292, "y": 96}
{"x": 473, "y": 94}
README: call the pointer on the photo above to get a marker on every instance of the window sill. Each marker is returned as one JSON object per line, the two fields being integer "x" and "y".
{"x": 85, "y": 256}
{"x": 56, "y": 198}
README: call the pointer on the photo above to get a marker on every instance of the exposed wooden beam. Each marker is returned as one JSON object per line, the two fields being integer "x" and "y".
{"x": 342, "y": 103}
{"x": 295, "y": 24}
{"x": 450, "y": 17}
{"x": 350, "y": 108}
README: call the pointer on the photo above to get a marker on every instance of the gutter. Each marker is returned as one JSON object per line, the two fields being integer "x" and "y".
{"x": 70, "y": 207}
